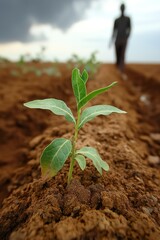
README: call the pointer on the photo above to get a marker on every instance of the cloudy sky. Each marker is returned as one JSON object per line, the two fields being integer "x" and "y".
{"x": 66, "y": 27}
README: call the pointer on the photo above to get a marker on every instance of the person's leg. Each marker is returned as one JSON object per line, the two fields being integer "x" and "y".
{"x": 122, "y": 56}
{"x": 122, "y": 61}
{"x": 117, "y": 50}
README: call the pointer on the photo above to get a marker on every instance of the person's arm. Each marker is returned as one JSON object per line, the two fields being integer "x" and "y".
{"x": 128, "y": 27}
{"x": 114, "y": 33}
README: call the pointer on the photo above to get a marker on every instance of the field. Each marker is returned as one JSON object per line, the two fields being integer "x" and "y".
{"x": 124, "y": 203}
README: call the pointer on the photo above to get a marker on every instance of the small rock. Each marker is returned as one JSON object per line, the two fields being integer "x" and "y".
{"x": 145, "y": 99}
{"x": 153, "y": 160}
{"x": 155, "y": 137}
{"x": 155, "y": 200}
{"x": 32, "y": 162}
{"x": 145, "y": 139}
{"x": 147, "y": 210}
{"x": 139, "y": 179}
{"x": 35, "y": 141}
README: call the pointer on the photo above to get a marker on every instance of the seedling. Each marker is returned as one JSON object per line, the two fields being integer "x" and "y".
{"x": 91, "y": 64}
{"x": 59, "y": 150}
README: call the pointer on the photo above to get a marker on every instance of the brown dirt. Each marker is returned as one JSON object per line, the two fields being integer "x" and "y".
{"x": 124, "y": 203}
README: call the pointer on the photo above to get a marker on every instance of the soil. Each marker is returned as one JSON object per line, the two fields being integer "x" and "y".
{"x": 122, "y": 204}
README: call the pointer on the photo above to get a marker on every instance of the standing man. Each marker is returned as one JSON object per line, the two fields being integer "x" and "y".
{"x": 121, "y": 32}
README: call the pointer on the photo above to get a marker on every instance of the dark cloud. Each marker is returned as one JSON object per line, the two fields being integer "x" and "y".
{"x": 17, "y": 16}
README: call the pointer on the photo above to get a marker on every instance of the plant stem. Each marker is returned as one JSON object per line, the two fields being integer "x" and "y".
{"x": 74, "y": 141}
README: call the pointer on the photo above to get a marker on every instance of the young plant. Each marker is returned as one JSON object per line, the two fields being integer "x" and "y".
{"x": 91, "y": 64}
{"x": 59, "y": 150}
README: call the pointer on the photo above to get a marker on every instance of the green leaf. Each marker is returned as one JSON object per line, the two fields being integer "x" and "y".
{"x": 55, "y": 155}
{"x": 104, "y": 165}
{"x": 78, "y": 85}
{"x": 91, "y": 112}
{"x": 81, "y": 161}
{"x": 54, "y": 105}
{"x": 84, "y": 76}
{"x": 92, "y": 154}
{"x": 93, "y": 94}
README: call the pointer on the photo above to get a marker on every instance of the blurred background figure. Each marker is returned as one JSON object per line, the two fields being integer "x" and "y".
{"x": 121, "y": 32}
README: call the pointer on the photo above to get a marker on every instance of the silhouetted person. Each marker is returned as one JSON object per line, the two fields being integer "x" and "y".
{"x": 121, "y": 32}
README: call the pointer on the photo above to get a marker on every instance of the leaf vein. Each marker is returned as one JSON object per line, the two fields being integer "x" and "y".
{"x": 59, "y": 149}
{"x": 92, "y": 114}
{"x": 68, "y": 113}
